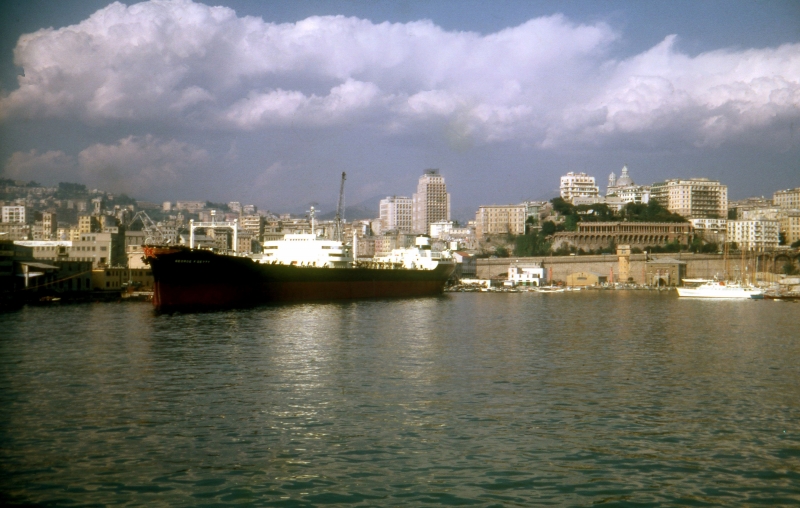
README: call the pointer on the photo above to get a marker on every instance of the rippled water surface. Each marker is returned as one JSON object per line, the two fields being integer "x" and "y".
{"x": 468, "y": 399}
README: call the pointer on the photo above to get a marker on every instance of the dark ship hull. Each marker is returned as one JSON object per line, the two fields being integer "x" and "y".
{"x": 186, "y": 279}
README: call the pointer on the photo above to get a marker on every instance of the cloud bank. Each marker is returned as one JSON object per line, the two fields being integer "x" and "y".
{"x": 133, "y": 164}
{"x": 547, "y": 82}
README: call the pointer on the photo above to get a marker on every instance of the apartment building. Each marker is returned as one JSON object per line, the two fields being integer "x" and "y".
{"x": 575, "y": 185}
{"x": 754, "y": 235}
{"x": 789, "y": 198}
{"x": 693, "y": 198}
{"x": 255, "y": 225}
{"x": 790, "y": 225}
{"x": 396, "y": 213}
{"x": 500, "y": 219}
{"x": 431, "y": 202}
{"x": 15, "y": 214}
{"x": 711, "y": 230}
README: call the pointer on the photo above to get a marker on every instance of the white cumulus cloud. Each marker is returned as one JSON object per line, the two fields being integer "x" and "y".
{"x": 546, "y": 82}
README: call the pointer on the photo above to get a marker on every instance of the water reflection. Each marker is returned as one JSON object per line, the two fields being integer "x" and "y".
{"x": 468, "y": 398}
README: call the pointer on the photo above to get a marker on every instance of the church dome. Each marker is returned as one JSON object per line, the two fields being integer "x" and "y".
{"x": 624, "y": 180}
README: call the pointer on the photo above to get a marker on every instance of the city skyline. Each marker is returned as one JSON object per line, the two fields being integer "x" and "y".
{"x": 268, "y": 103}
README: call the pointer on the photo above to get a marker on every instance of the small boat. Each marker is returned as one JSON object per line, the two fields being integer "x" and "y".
{"x": 550, "y": 289}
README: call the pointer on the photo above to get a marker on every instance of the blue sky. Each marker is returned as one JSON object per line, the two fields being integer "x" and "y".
{"x": 267, "y": 102}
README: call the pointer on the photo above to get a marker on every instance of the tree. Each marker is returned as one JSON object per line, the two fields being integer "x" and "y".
{"x": 796, "y": 244}
{"x": 531, "y": 245}
{"x": 218, "y": 206}
{"x": 548, "y": 228}
{"x": 790, "y": 269}
{"x": 562, "y": 206}
{"x": 571, "y": 223}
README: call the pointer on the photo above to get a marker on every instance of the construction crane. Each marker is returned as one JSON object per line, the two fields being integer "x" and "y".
{"x": 338, "y": 231}
{"x": 153, "y": 235}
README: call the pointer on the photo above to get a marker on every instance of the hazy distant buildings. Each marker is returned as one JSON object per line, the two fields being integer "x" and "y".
{"x": 431, "y": 202}
{"x": 190, "y": 206}
{"x": 692, "y": 198}
{"x": 575, "y": 185}
{"x": 396, "y": 213}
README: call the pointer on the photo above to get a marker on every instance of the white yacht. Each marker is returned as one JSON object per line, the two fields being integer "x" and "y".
{"x": 719, "y": 289}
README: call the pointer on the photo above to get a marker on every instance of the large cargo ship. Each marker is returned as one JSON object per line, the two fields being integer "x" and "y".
{"x": 301, "y": 267}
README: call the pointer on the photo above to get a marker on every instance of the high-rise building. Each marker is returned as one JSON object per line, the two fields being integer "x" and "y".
{"x": 396, "y": 214}
{"x": 693, "y": 198}
{"x": 431, "y": 202}
{"x": 575, "y": 185}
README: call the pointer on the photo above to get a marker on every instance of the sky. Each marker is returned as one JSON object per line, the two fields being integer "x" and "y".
{"x": 267, "y": 102}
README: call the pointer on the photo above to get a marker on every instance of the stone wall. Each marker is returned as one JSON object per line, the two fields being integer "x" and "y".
{"x": 697, "y": 265}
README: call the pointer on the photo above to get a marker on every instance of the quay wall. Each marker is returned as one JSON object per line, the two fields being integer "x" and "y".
{"x": 697, "y": 265}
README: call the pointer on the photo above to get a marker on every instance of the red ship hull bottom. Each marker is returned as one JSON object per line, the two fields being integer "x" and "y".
{"x": 221, "y": 295}
{"x": 194, "y": 279}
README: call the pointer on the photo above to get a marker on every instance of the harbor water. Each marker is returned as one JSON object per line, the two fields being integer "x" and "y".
{"x": 615, "y": 397}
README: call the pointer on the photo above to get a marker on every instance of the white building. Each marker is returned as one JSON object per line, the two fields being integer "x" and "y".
{"x": 431, "y": 202}
{"x": 441, "y": 229}
{"x": 755, "y": 235}
{"x": 625, "y": 190}
{"x": 94, "y": 247}
{"x": 712, "y": 230}
{"x": 578, "y": 185}
{"x": 396, "y": 213}
{"x": 692, "y": 198}
{"x": 526, "y": 275}
{"x": 15, "y": 214}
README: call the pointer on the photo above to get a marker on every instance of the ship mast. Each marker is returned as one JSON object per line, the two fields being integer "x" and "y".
{"x": 312, "y": 213}
{"x": 339, "y": 220}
